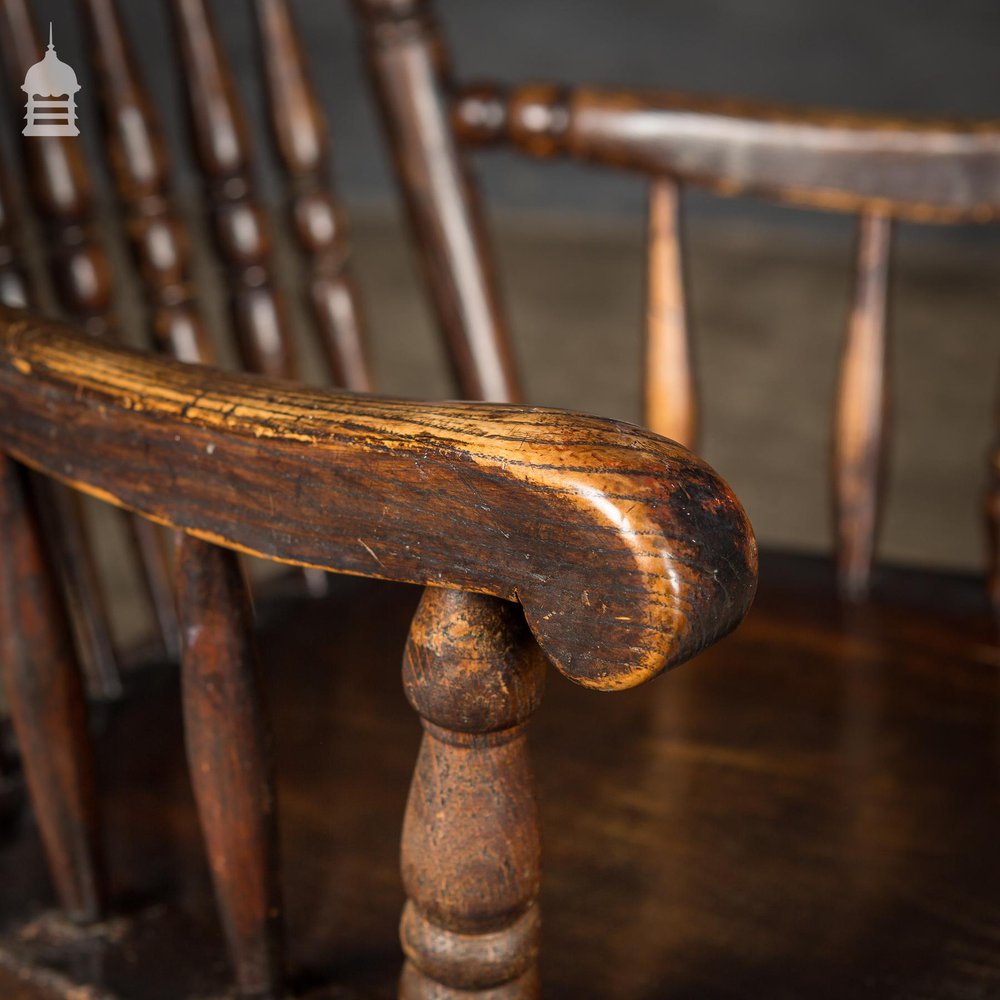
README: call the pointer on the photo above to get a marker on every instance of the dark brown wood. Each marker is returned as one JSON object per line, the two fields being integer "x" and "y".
{"x": 240, "y": 225}
{"x": 922, "y": 170}
{"x": 670, "y": 396}
{"x": 61, "y": 192}
{"x": 407, "y": 64}
{"x": 627, "y": 553}
{"x": 689, "y": 826}
{"x": 229, "y": 754}
{"x": 62, "y": 513}
{"x": 139, "y": 163}
{"x": 471, "y": 857}
{"x": 45, "y": 695}
{"x": 993, "y": 521}
{"x": 862, "y": 407}
{"x": 318, "y": 221}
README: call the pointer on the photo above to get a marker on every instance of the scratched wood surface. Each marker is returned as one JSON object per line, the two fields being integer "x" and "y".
{"x": 628, "y": 553}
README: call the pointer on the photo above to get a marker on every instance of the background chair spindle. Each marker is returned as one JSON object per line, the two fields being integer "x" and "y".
{"x": 61, "y": 509}
{"x": 45, "y": 694}
{"x": 137, "y": 158}
{"x": 240, "y": 226}
{"x": 407, "y": 63}
{"x": 670, "y": 395}
{"x": 81, "y": 271}
{"x": 470, "y": 851}
{"x": 229, "y": 756}
{"x": 861, "y": 411}
{"x": 302, "y": 137}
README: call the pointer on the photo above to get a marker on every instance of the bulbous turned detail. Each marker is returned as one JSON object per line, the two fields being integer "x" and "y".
{"x": 471, "y": 852}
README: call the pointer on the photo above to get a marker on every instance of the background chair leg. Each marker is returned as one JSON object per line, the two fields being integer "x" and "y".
{"x": 45, "y": 693}
{"x": 229, "y": 756}
{"x": 470, "y": 850}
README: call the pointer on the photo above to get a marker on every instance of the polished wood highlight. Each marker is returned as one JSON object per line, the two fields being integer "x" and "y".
{"x": 861, "y": 414}
{"x": 407, "y": 65}
{"x": 44, "y": 689}
{"x": 924, "y": 171}
{"x": 628, "y": 553}
{"x": 318, "y": 222}
{"x": 471, "y": 855}
{"x": 240, "y": 225}
{"x": 670, "y": 396}
{"x": 229, "y": 753}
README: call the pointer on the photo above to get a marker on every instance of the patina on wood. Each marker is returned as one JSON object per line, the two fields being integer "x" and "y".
{"x": 922, "y": 170}
{"x": 628, "y": 553}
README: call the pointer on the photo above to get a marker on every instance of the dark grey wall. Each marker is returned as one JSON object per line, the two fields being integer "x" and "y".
{"x": 919, "y": 56}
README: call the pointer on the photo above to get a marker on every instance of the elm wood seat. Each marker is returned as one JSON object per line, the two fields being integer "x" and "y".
{"x": 626, "y": 554}
{"x": 701, "y": 839}
{"x": 881, "y": 169}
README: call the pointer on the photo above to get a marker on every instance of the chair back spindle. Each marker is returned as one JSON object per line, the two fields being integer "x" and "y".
{"x": 240, "y": 227}
{"x": 318, "y": 222}
{"x": 862, "y": 409}
{"x": 407, "y": 65}
{"x": 43, "y": 684}
{"x": 670, "y": 394}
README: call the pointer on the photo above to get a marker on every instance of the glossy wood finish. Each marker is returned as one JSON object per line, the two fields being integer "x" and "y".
{"x": 471, "y": 857}
{"x": 670, "y": 394}
{"x": 229, "y": 753}
{"x": 240, "y": 226}
{"x": 627, "y": 553}
{"x": 862, "y": 405}
{"x": 925, "y": 171}
{"x": 139, "y": 164}
{"x": 60, "y": 508}
{"x": 45, "y": 695}
{"x": 407, "y": 64}
{"x": 318, "y": 221}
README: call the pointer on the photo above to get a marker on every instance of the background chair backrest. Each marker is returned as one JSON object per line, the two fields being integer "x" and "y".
{"x": 880, "y": 169}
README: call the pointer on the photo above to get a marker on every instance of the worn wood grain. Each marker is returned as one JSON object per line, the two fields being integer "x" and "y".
{"x": 925, "y": 171}
{"x": 471, "y": 855}
{"x": 627, "y": 553}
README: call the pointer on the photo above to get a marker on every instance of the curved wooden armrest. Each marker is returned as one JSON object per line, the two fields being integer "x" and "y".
{"x": 627, "y": 553}
{"x": 924, "y": 170}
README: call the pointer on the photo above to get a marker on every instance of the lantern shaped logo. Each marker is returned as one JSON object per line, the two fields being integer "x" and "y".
{"x": 51, "y": 86}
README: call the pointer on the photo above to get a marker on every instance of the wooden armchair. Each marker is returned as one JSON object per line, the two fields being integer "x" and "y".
{"x": 626, "y": 554}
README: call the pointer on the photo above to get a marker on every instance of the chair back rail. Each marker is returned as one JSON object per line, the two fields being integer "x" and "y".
{"x": 881, "y": 168}
{"x": 625, "y": 553}
{"x": 302, "y": 138}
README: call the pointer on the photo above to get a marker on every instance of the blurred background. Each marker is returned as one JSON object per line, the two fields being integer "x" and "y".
{"x": 769, "y": 285}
